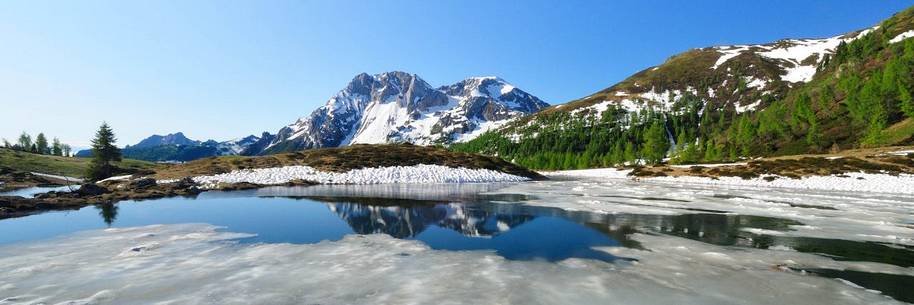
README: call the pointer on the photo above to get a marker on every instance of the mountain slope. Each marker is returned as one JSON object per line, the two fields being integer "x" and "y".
{"x": 397, "y": 107}
{"x": 722, "y": 103}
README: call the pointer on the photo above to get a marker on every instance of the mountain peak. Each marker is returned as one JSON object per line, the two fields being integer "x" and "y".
{"x": 177, "y": 138}
{"x": 397, "y": 106}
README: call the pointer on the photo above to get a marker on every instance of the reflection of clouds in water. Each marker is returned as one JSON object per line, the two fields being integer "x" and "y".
{"x": 191, "y": 264}
{"x": 442, "y": 192}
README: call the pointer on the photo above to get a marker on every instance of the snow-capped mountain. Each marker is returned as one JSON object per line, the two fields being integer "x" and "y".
{"x": 234, "y": 146}
{"x": 398, "y": 107}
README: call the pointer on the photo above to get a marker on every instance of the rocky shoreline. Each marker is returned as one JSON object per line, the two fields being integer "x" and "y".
{"x": 92, "y": 194}
{"x": 11, "y": 180}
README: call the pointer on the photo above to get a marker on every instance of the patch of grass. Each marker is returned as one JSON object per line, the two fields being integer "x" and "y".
{"x": 343, "y": 159}
{"x": 55, "y": 165}
{"x": 899, "y": 133}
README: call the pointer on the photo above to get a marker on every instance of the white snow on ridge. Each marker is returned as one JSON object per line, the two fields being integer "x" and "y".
{"x": 417, "y": 174}
{"x": 902, "y": 36}
{"x": 728, "y": 53}
{"x": 792, "y": 52}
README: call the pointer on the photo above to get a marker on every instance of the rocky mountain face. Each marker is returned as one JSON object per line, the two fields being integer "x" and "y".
{"x": 728, "y": 102}
{"x": 397, "y": 107}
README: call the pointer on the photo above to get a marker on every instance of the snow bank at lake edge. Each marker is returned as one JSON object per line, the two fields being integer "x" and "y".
{"x": 416, "y": 174}
{"x": 849, "y": 182}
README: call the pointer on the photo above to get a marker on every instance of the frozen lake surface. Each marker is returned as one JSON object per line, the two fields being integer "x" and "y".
{"x": 584, "y": 241}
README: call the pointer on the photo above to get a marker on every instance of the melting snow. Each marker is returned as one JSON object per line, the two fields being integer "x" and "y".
{"x": 792, "y": 52}
{"x": 197, "y": 264}
{"x": 728, "y": 53}
{"x": 750, "y": 107}
{"x": 395, "y": 174}
{"x": 902, "y": 36}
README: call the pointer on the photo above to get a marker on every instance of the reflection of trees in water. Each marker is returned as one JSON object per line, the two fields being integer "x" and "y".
{"x": 108, "y": 212}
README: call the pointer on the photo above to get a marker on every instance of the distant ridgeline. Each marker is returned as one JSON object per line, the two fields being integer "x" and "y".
{"x": 177, "y": 147}
{"x": 722, "y": 103}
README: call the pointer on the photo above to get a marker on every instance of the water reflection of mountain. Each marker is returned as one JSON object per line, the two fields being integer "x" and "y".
{"x": 407, "y": 222}
{"x": 408, "y": 218}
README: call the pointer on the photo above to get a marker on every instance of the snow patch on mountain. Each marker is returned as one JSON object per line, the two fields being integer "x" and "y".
{"x": 798, "y": 57}
{"x": 902, "y": 36}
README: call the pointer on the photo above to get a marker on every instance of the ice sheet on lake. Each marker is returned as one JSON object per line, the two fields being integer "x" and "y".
{"x": 849, "y": 182}
{"x": 860, "y": 216}
{"x": 198, "y": 264}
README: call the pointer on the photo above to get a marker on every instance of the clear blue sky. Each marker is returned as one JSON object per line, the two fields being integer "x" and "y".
{"x": 225, "y": 69}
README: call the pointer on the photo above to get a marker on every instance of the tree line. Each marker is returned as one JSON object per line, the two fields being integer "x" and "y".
{"x": 39, "y": 146}
{"x": 104, "y": 152}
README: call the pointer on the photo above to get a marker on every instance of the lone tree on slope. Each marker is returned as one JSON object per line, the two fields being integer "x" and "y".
{"x": 103, "y": 153}
{"x": 66, "y": 149}
{"x": 25, "y": 142}
{"x": 41, "y": 142}
{"x": 55, "y": 147}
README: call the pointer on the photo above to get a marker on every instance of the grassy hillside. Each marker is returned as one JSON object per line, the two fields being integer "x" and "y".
{"x": 702, "y": 106}
{"x": 66, "y": 166}
{"x": 343, "y": 159}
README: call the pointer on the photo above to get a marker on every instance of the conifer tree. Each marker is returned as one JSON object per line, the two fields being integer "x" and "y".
{"x": 55, "y": 147}
{"x": 103, "y": 153}
{"x": 907, "y": 105}
{"x": 656, "y": 143}
{"x": 25, "y": 142}
{"x": 66, "y": 149}
{"x": 41, "y": 143}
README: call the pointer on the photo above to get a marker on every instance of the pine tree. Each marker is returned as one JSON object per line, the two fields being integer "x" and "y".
{"x": 103, "y": 153}
{"x": 55, "y": 147}
{"x": 25, "y": 142}
{"x": 656, "y": 143}
{"x": 41, "y": 143}
{"x": 907, "y": 105}
{"x": 66, "y": 149}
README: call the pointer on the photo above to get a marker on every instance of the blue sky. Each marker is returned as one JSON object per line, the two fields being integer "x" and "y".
{"x": 225, "y": 69}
